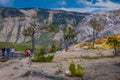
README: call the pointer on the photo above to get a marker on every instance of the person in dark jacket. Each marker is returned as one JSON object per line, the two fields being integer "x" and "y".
{"x": 8, "y": 52}
{"x": 3, "y": 53}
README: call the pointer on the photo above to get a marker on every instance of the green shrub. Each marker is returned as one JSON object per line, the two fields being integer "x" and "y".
{"x": 72, "y": 67}
{"x": 41, "y": 51}
{"x": 48, "y": 58}
{"x": 42, "y": 58}
{"x": 53, "y": 48}
{"x": 38, "y": 57}
{"x": 76, "y": 71}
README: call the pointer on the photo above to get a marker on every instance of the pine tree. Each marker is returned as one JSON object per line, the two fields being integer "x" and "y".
{"x": 68, "y": 36}
{"x": 96, "y": 29}
{"x": 31, "y": 30}
{"x": 114, "y": 42}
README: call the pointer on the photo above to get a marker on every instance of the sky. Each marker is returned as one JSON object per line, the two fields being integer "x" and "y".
{"x": 68, "y": 5}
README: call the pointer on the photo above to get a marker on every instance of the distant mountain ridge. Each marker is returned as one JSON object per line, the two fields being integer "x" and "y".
{"x": 13, "y": 21}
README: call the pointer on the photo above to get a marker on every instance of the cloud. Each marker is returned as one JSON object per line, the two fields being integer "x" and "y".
{"x": 62, "y": 3}
{"x": 82, "y": 10}
{"x": 6, "y": 2}
{"x": 108, "y": 4}
{"x": 101, "y": 5}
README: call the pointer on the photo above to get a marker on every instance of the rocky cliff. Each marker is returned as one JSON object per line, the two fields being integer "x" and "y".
{"x": 109, "y": 22}
{"x": 13, "y": 21}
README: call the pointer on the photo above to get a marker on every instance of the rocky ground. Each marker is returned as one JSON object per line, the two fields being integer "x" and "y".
{"x": 99, "y": 65}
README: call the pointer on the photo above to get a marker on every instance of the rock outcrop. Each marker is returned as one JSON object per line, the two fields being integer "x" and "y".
{"x": 109, "y": 23}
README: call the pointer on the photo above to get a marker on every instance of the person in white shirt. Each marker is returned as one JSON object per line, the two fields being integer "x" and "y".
{"x": 13, "y": 52}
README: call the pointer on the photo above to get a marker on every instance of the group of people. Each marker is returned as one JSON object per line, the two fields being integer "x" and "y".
{"x": 7, "y": 51}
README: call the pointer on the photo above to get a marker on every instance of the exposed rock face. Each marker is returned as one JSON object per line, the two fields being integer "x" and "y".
{"x": 13, "y": 21}
{"x": 109, "y": 22}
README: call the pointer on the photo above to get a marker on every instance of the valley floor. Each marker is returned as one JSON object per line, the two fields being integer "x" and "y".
{"x": 98, "y": 64}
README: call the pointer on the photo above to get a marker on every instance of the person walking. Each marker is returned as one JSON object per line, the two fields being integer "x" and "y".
{"x": 8, "y": 52}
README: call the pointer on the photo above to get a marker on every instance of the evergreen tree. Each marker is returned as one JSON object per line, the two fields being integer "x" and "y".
{"x": 114, "y": 42}
{"x": 34, "y": 28}
{"x": 31, "y": 30}
{"x": 96, "y": 29}
{"x": 68, "y": 36}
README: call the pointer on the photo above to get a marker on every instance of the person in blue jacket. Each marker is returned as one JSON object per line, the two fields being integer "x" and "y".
{"x": 8, "y": 52}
